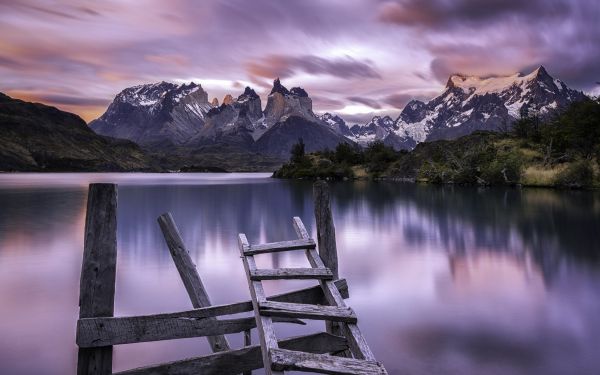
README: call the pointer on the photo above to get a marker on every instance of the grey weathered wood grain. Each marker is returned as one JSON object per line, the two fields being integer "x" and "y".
{"x": 241, "y": 360}
{"x": 281, "y": 246}
{"x": 91, "y": 332}
{"x": 307, "y": 311}
{"x": 247, "y": 342}
{"x": 284, "y": 359}
{"x": 264, "y": 324}
{"x": 356, "y": 341}
{"x": 189, "y": 274}
{"x": 291, "y": 273}
{"x": 325, "y": 227}
{"x": 117, "y": 331}
{"x": 98, "y": 271}
{"x": 326, "y": 236}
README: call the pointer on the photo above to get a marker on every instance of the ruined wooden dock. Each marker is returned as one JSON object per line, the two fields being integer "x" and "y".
{"x": 342, "y": 349}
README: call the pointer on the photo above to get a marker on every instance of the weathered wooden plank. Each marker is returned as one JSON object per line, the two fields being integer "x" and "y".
{"x": 241, "y": 360}
{"x": 325, "y": 227}
{"x": 91, "y": 332}
{"x": 356, "y": 341}
{"x": 189, "y": 274}
{"x": 98, "y": 271}
{"x": 281, "y": 246}
{"x": 291, "y": 274}
{"x": 102, "y": 331}
{"x": 264, "y": 324}
{"x": 283, "y": 359}
{"x": 307, "y": 311}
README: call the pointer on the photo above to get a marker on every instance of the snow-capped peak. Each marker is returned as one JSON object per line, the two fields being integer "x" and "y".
{"x": 151, "y": 94}
{"x": 495, "y": 84}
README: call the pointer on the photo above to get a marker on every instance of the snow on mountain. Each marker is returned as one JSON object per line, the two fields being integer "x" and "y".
{"x": 471, "y": 103}
{"x": 336, "y": 123}
{"x": 378, "y": 128}
{"x": 155, "y": 113}
{"x": 467, "y": 104}
{"x": 163, "y": 114}
{"x": 236, "y": 121}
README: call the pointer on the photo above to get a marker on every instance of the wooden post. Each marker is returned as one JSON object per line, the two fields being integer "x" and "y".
{"x": 247, "y": 342}
{"x": 98, "y": 272}
{"x": 325, "y": 227}
{"x": 189, "y": 274}
{"x": 326, "y": 240}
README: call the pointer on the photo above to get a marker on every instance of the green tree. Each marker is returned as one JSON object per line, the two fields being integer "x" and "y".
{"x": 298, "y": 152}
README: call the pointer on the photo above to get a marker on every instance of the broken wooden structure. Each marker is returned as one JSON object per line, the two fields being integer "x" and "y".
{"x": 340, "y": 350}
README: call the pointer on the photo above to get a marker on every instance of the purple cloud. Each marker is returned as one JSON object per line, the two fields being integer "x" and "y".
{"x": 337, "y": 51}
{"x": 365, "y": 101}
{"x": 286, "y": 66}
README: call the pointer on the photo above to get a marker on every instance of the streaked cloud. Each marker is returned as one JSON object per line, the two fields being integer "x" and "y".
{"x": 366, "y": 55}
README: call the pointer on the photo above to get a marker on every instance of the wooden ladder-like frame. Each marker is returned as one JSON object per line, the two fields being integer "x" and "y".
{"x": 276, "y": 360}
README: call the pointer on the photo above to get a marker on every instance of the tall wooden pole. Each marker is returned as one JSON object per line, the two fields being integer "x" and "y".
{"x": 98, "y": 272}
{"x": 326, "y": 240}
{"x": 325, "y": 227}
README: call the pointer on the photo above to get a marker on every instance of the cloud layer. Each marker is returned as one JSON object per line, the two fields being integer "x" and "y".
{"x": 356, "y": 58}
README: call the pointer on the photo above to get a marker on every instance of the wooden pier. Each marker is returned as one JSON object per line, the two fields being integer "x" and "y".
{"x": 342, "y": 349}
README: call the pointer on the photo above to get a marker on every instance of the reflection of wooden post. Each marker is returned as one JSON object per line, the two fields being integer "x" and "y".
{"x": 98, "y": 272}
{"x": 189, "y": 274}
{"x": 326, "y": 237}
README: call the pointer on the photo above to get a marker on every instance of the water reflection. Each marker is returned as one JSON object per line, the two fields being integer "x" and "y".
{"x": 444, "y": 279}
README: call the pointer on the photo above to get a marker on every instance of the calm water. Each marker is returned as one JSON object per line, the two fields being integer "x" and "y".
{"x": 444, "y": 280}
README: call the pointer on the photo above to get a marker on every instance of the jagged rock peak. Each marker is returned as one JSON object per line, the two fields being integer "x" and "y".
{"x": 228, "y": 99}
{"x": 541, "y": 72}
{"x": 298, "y": 91}
{"x": 247, "y": 95}
{"x": 331, "y": 116}
{"x": 278, "y": 87}
{"x": 215, "y": 102}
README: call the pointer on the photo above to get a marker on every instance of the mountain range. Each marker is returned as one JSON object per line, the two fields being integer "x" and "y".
{"x": 166, "y": 115}
{"x": 176, "y": 126}
{"x": 163, "y": 115}
{"x": 467, "y": 104}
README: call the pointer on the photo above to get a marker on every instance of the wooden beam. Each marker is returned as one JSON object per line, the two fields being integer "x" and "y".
{"x": 274, "y": 247}
{"x": 189, "y": 274}
{"x": 308, "y": 311}
{"x": 93, "y": 332}
{"x": 98, "y": 272}
{"x": 291, "y": 274}
{"x": 241, "y": 360}
{"x": 117, "y": 331}
{"x": 284, "y": 359}
{"x": 264, "y": 324}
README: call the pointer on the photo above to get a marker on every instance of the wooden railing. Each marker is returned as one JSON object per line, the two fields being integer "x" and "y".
{"x": 98, "y": 330}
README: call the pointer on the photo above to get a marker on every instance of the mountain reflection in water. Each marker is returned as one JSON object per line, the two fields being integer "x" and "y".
{"x": 446, "y": 280}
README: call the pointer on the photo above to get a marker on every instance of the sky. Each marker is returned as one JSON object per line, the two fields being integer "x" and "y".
{"x": 356, "y": 58}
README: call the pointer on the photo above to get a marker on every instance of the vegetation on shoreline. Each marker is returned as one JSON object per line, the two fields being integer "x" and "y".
{"x": 561, "y": 151}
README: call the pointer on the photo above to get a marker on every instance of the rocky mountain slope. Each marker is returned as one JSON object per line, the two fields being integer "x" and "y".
{"x": 467, "y": 104}
{"x": 165, "y": 116}
{"x": 160, "y": 114}
{"x": 36, "y": 137}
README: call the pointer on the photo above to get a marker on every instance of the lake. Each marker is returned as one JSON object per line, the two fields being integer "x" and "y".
{"x": 450, "y": 280}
